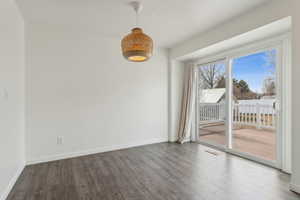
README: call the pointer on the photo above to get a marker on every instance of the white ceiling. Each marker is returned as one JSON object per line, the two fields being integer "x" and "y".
{"x": 168, "y": 22}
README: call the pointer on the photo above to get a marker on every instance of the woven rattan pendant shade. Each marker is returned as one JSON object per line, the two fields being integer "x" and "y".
{"x": 137, "y": 46}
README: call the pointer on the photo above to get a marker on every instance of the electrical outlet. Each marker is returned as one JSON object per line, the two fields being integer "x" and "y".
{"x": 60, "y": 140}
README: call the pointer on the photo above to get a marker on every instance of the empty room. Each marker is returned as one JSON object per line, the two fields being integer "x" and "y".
{"x": 149, "y": 100}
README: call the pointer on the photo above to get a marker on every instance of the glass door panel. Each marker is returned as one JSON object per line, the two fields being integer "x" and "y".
{"x": 254, "y": 102}
{"x": 211, "y": 102}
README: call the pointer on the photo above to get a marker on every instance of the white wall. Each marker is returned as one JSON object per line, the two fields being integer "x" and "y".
{"x": 11, "y": 95}
{"x": 275, "y": 10}
{"x": 80, "y": 87}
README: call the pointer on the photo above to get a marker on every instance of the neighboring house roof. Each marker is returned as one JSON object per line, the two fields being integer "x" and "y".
{"x": 268, "y": 97}
{"x": 212, "y": 95}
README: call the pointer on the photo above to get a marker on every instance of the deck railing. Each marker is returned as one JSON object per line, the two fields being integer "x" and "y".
{"x": 258, "y": 115}
{"x": 211, "y": 111}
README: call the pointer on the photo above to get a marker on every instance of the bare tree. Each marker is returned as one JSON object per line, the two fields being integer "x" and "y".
{"x": 270, "y": 59}
{"x": 211, "y": 75}
{"x": 269, "y": 86}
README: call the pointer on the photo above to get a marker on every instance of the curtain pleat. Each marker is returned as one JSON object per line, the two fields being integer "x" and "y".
{"x": 188, "y": 105}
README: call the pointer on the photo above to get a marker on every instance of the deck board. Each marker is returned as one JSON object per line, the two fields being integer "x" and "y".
{"x": 257, "y": 142}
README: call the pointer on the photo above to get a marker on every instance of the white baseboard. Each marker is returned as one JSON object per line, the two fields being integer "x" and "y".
{"x": 295, "y": 188}
{"x": 11, "y": 183}
{"x": 93, "y": 151}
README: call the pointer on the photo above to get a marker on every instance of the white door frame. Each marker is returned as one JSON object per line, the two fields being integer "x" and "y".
{"x": 283, "y": 128}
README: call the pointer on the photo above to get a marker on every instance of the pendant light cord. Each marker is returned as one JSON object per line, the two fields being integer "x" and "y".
{"x": 136, "y": 18}
{"x": 137, "y": 7}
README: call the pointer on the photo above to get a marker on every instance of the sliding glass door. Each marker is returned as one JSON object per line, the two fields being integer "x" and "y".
{"x": 237, "y": 105}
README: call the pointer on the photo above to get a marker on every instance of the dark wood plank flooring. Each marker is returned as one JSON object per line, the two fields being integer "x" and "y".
{"x": 163, "y": 171}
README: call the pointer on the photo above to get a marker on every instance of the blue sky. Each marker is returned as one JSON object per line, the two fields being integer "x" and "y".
{"x": 254, "y": 68}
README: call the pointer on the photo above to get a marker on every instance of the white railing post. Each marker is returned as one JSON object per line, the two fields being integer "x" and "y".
{"x": 258, "y": 116}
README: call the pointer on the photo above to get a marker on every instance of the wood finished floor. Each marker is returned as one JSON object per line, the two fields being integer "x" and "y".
{"x": 163, "y": 171}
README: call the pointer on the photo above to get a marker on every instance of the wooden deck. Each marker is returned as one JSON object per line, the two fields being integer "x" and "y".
{"x": 258, "y": 142}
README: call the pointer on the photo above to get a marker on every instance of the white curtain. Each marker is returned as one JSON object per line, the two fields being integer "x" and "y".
{"x": 188, "y": 105}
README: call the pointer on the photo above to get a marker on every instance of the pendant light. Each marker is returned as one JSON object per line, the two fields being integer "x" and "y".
{"x": 137, "y": 46}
